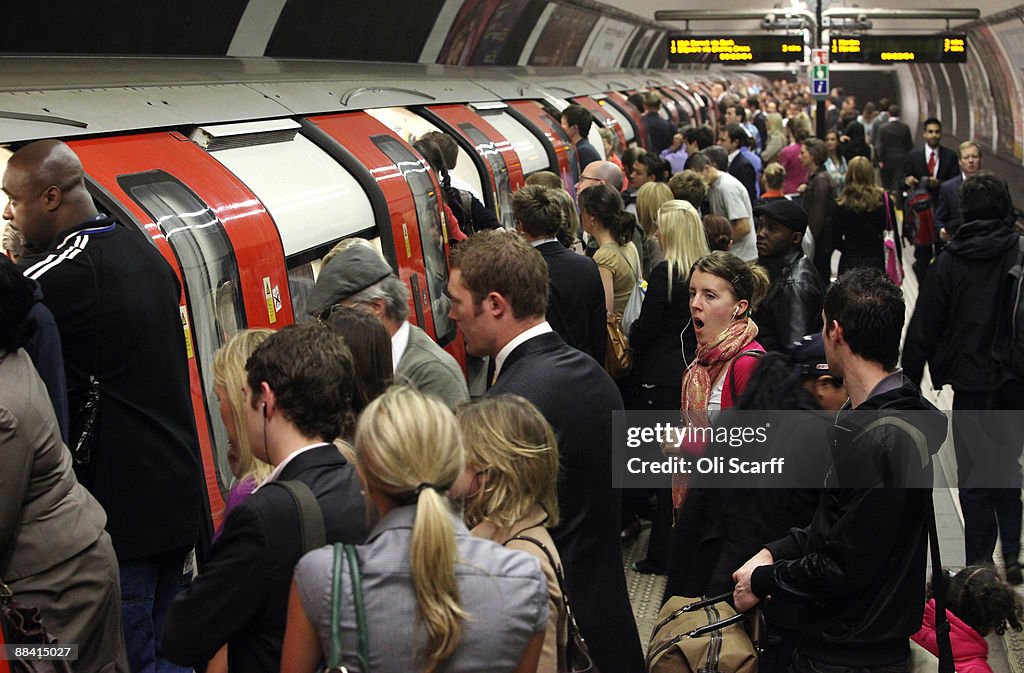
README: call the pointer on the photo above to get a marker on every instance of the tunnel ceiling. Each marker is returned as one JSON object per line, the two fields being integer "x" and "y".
{"x": 503, "y": 32}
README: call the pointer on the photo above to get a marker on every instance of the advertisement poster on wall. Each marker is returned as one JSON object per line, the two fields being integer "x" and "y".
{"x": 502, "y": 22}
{"x": 605, "y": 49}
{"x": 563, "y": 36}
{"x": 1008, "y": 142}
{"x": 466, "y": 31}
{"x": 1011, "y": 36}
{"x": 636, "y": 56}
{"x": 978, "y": 96}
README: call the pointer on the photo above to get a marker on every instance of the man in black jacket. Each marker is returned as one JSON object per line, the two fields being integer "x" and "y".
{"x": 499, "y": 289}
{"x": 962, "y": 303}
{"x": 576, "y": 309}
{"x": 115, "y": 300}
{"x": 859, "y": 567}
{"x": 576, "y": 122}
{"x": 893, "y": 144}
{"x": 792, "y": 307}
{"x": 299, "y": 400}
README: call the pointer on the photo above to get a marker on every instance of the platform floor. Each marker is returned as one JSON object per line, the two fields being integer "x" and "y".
{"x": 1006, "y": 653}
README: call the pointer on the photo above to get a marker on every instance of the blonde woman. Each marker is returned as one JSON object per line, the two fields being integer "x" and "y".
{"x": 436, "y": 598}
{"x": 229, "y": 378}
{"x": 663, "y": 342}
{"x": 860, "y": 219}
{"x": 648, "y": 201}
{"x": 509, "y": 490}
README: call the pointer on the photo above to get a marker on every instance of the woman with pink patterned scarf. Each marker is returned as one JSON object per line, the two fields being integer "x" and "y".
{"x": 724, "y": 291}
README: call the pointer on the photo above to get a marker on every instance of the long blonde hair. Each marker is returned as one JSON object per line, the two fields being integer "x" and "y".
{"x": 510, "y": 441}
{"x": 648, "y": 201}
{"x": 860, "y": 192}
{"x": 682, "y": 238}
{"x": 408, "y": 447}
{"x": 230, "y": 376}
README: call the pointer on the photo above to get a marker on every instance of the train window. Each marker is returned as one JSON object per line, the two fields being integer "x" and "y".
{"x": 490, "y": 153}
{"x": 210, "y": 273}
{"x": 619, "y": 116}
{"x": 553, "y": 124}
{"x": 432, "y": 235}
{"x": 311, "y": 197}
{"x": 409, "y": 126}
{"x": 527, "y": 146}
{"x": 304, "y": 269}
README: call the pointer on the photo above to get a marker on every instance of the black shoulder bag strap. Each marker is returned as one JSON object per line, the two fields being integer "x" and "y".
{"x": 939, "y": 591}
{"x": 938, "y": 576}
{"x": 311, "y": 517}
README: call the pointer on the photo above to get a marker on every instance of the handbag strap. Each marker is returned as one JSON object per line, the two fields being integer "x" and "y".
{"x": 888, "y": 212}
{"x": 636, "y": 274}
{"x": 356, "y": 578}
{"x": 559, "y": 577}
{"x": 311, "y": 517}
{"x": 942, "y": 625}
{"x": 334, "y": 656}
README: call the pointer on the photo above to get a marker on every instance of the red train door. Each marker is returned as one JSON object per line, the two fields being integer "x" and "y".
{"x": 633, "y": 115}
{"x": 414, "y": 210}
{"x": 223, "y": 245}
{"x": 499, "y": 158}
{"x": 534, "y": 113}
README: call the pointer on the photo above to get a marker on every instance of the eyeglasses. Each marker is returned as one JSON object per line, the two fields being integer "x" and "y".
{"x": 324, "y": 316}
{"x": 587, "y": 177}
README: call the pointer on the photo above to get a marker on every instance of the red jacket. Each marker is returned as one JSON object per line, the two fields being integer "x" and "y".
{"x": 970, "y": 651}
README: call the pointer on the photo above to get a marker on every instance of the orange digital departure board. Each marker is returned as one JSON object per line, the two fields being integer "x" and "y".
{"x": 683, "y": 48}
{"x": 883, "y": 49}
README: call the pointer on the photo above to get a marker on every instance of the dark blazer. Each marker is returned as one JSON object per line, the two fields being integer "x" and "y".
{"x": 893, "y": 144}
{"x": 662, "y": 339}
{"x": 575, "y": 299}
{"x": 916, "y": 165}
{"x": 586, "y": 154}
{"x": 741, "y": 169}
{"x": 947, "y": 207}
{"x": 659, "y": 132}
{"x": 577, "y": 397}
{"x": 240, "y": 597}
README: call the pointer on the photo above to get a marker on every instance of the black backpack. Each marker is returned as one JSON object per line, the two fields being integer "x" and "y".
{"x": 1008, "y": 347}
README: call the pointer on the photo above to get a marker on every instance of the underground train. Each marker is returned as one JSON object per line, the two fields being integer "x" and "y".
{"x": 245, "y": 172}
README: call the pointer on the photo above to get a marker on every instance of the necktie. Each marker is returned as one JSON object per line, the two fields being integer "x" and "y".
{"x": 931, "y": 163}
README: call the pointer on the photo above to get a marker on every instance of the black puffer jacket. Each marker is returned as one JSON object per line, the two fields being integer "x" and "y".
{"x": 959, "y": 307}
{"x": 793, "y": 305}
{"x": 859, "y": 567}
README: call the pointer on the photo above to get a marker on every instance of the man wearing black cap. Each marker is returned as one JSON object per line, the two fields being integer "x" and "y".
{"x": 358, "y": 276}
{"x": 793, "y": 305}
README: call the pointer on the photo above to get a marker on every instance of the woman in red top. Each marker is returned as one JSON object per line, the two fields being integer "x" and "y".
{"x": 724, "y": 291}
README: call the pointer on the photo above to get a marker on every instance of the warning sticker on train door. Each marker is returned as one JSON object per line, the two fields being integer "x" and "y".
{"x": 273, "y": 297}
{"x": 188, "y": 333}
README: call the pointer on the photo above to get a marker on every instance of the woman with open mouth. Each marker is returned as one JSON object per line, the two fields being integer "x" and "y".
{"x": 724, "y": 291}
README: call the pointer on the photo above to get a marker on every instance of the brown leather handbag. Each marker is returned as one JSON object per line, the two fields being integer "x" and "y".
{"x": 618, "y": 357}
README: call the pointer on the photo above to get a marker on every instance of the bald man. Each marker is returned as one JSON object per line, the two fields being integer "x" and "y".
{"x": 597, "y": 172}
{"x": 116, "y": 303}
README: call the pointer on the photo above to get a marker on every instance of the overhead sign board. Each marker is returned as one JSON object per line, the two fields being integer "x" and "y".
{"x": 685, "y": 48}
{"x": 819, "y": 72}
{"x": 883, "y": 49}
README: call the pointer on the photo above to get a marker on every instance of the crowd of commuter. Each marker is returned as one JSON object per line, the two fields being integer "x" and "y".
{"x": 383, "y": 519}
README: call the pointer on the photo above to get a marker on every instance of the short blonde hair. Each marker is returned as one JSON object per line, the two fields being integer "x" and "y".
{"x": 508, "y": 439}
{"x": 229, "y": 374}
{"x": 408, "y": 447}
{"x": 345, "y": 244}
{"x": 648, "y": 199}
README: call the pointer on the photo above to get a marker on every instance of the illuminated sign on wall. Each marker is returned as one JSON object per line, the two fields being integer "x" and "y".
{"x": 683, "y": 48}
{"x": 882, "y": 49}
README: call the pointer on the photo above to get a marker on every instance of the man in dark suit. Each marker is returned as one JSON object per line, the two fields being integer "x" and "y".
{"x": 499, "y": 287}
{"x": 734, "y": 139}
{"x": 927, "y": 168}
{"x": 576, "y": 309}
{"x": 576, "y": 121}
{"x": 299, "y": 394}
{"x": 947, "y": 210}
{"x": 892, "y": 146}
{"x": 659, "y": 131}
